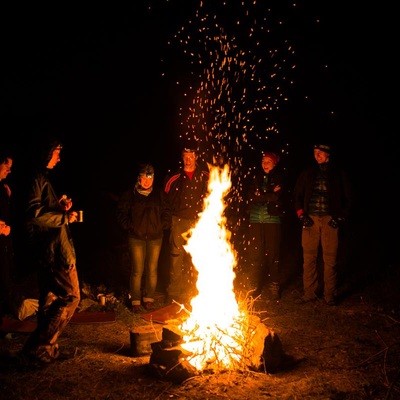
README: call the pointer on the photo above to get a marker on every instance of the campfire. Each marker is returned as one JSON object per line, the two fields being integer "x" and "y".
{"x": 213, "y": 332}
{"x": 218, "y": 333}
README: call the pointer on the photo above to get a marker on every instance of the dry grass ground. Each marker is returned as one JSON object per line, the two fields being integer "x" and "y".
{"x": 351, "y": 351}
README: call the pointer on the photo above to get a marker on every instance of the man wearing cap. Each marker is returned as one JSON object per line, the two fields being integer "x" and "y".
{"x": 323, "y": 200}
{"x": 185, "y": 191}
{"x": 265, "y": 207}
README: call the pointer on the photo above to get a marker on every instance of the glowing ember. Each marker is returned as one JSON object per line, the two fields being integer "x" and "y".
{"x": 213, "y": 332}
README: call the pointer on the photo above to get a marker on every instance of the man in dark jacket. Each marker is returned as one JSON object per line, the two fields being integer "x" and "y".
{"x": 323, "y": 200}
{"x": 48, "y": 219}
{"x": 186, "y": 190}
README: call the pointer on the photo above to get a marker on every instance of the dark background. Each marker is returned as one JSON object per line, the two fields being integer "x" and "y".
{"x": 103, "y": 79}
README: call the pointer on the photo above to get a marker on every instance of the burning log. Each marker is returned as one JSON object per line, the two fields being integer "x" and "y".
{"x": 169, "y": 360}
{"x": 214, "y": 338}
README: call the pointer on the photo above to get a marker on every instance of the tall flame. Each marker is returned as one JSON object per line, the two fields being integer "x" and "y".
{"x": 213, "y": 333}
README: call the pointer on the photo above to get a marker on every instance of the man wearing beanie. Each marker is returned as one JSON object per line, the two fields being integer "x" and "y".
{"x": 264, "y": 199}
{"x": 323, "y": 200}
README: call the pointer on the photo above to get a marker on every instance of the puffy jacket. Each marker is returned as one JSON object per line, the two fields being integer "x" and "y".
{"x": 274, "y": 201}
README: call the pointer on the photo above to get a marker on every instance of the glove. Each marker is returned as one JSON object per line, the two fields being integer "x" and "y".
{"x": 335, "y": 222}
{"x": 306, "y": 221}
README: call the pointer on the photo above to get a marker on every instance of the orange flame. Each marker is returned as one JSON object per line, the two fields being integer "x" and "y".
{"x": 213, "y": 333}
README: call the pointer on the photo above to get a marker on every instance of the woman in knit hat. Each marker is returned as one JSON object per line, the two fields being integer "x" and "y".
{"x": 265, "y": 208}
{"x": 143, "y": 214}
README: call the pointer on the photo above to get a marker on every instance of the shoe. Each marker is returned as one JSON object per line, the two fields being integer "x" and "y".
{"x": 65, "y": 355}
{"x": 331, "y": 302}
{"x": 274, "y": 291}
{"x": 148, "y": 305}
{"x": 136, "y": 308}
{"x": 304, "y": 300}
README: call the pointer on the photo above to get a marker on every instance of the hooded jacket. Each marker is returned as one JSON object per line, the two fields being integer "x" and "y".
{"x": 47, "y": 222}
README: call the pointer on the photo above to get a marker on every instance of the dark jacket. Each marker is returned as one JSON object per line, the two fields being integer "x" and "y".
{"x": 5, "y": 216}
{"x": 47, "y": 223}
{"x": 186, "y": 196}
{"x": 143, "y": 217}
{"x": 339, "y": 190}
{"x": 274, "y": 201}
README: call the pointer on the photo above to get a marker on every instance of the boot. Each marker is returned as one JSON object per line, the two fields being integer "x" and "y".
{"x": 274, "y": 291}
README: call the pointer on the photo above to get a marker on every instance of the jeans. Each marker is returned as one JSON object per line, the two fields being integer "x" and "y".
{"x": 144, "y": 255}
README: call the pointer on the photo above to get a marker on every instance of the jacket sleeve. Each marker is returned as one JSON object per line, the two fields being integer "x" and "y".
{"x": 166, "y": 214}
{"x": 123, "y": 210}
{"x": 44, "y": 213}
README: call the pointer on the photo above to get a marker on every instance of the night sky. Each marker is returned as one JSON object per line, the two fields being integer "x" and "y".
{"x": 116, "y": 82}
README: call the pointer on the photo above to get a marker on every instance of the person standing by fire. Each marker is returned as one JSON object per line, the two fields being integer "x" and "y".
{"x": 48, "y": 219}
{"x": 265, "y": 209}
{"x": 186, "y": 190}
{"x": 323, "y": 199}
{"x": 143, "y": 214}
{"x": 6, "y": 242}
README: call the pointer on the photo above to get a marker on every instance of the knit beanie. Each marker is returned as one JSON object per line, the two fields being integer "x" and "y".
{"x": 274, "y": 157}
{"x": 323, "y": 147}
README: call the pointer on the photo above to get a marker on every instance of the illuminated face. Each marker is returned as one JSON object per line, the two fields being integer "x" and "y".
{"x": 5, "y": 168}
{"x": 55, "y": 158}
{"x": 146, "y": 180}
{"x": 189, "y": 160}
{"x": 267, "y": 164}
{"x": 321, "y": 156}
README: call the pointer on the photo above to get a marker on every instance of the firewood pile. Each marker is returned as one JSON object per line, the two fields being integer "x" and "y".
{"x": 170, "y": 361}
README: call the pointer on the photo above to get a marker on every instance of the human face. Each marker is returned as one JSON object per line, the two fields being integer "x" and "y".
{"x": 55, "y": 158}
{"x": 267, "y": 164}
{"x": 146, "y": 180}
{"x": 5, "y": 168}
{"x": 189, "y": 161}
{"x": 321, "y": 156}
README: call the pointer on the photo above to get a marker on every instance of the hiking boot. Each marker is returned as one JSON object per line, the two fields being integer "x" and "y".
{"x": 331, "y": 302}
{"x": 136, "y": 308}
{"x": 274, "y": 290}
{"x": 305, "y": 299}
{"x": 148, "y": 305}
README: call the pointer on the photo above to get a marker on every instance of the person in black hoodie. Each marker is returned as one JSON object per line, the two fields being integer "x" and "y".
{"x": 48, "y": 217}
{"x": 142, "y": 213}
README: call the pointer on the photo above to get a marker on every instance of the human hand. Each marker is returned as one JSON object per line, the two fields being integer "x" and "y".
{"x": 277, "y": 188}
{"x": 335, "y": 222}
{"x": 306, "y": 221}
{"x": 72, "y": 217}
{"x": 65, "y": 202}
{"x": 4, "y": 228}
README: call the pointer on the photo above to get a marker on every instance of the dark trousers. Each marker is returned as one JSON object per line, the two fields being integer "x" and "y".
{"x": 264, "y": 254}
{"x": 59, "y": 296}
{"x": 183, "y": 275}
